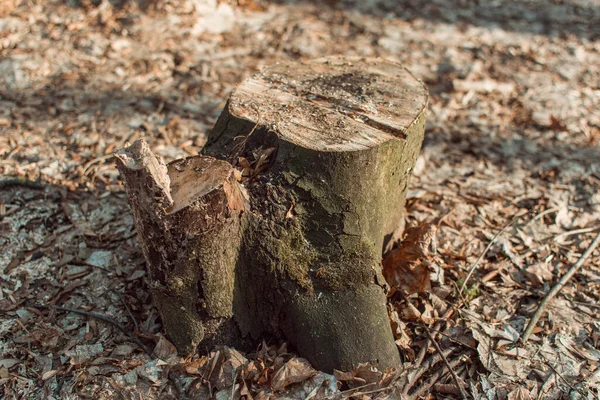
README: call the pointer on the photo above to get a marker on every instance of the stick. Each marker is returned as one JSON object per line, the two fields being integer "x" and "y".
{"x": 348, "y": 392}
{"x": 371, "y": 391}
{"x": 463, "y": 395}
{"x": 576, "y": 232}
{"x": 421, "y": 356}
{"x": 428, "y": 364}
{"x": 135, "y": 324}
{"x": 554, "y": 291}
{"x": 488, "y": 247}
{"x": 96, "y": 160}
{"x": 103, "y": 318}
{"x": 420, "y": 390}
{"x": 11, "y": 182}
{"x": 416, "y": 366}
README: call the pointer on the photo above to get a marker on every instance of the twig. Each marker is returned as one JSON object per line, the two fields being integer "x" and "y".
{"x": 417, "y": 369}
{"x": 344, "y": 393}
{"x": 421, "y": 356}
{"x": 239, "y": 147}
{"x": 135, "y": 323}
{"x": 463, "y": 395}
{"x": 433, "y": 379}
{"x": 581, "y": 303}
{"x": 455, "y": 341}
{"x": 96, "y": 160}
{"x": 418, "y": 362}
{"x": 553, "y": 292}
{"x": 490, "y": 275}
{"x": 427, "y": 365}
{"x": 371, "y": 391}
{"x": 487, "y": 248}
{"x": 100, "y": 317}
{"x": 446, "y": 389}
{"x": 10, "y": 182}
{"x": 542, "y": 214}
{"x": 576, "y": 232}
{"x": 553, "y": 368}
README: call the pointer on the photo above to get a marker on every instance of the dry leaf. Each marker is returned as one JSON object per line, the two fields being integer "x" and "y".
{"x": 122, "y": 350}
{"x": 404, "y": 267}
{"x": 49, "y": 374}
{"x": 225, "y": 366}
{"x": 164, "y": 349}
{"x": 519, "y": 393}
{"x": 9, "y": 362}
{"x": 84, "y": 353}
{"x": 194, "y": 365}
{"x": 367, "y": 373}
{"x": 294, "y": 371}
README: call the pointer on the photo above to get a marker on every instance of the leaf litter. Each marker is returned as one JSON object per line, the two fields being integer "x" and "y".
{"x": 511, "y": 131}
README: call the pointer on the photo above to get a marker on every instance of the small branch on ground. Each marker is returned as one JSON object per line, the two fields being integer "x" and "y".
{"x": 576, "y": 232}
{"x": 554, "y": 291}
{"x": 427, "y": 365}
{"x": 426, "y": 386}
{"x": 349, "y": 392}
{"x": 463, "y": 395}
{"x": 105, "y": 157}
{"x": 421, "y": 356}
{"x": 24, "y": 182}
{"x": 135, "y": 323}
{"x": 487, "y": 248}
{"x": 100, "y": 317}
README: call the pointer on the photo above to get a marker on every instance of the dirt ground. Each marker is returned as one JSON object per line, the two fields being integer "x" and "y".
{"x": 508, "y": 173}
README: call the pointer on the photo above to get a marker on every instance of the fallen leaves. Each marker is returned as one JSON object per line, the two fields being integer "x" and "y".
{"x": 405, "y": 267}
{"x": 9, "y": 362}
{"x": 269, "y": 373}
{"x": 511, "y": 126}
{"x": 253, "y": 164}
{"x": 294, "y": 371}
{"x": 164, "y": 350}
{"x": 84, "y": 353}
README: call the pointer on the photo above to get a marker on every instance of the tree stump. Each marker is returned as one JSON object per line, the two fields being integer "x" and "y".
{"x": 277, "y": 229}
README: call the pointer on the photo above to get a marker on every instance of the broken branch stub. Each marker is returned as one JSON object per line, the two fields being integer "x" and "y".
{"x": 187, "y": 216}
{"x": 326, "y": 148}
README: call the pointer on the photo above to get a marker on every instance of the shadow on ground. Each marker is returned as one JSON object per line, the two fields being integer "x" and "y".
{"x": 540, "y": 17}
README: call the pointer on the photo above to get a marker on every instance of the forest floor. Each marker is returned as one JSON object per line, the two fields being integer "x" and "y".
{"x": 510, "y": 162}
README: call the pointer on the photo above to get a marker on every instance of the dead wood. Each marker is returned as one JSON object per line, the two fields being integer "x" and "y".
{"x": 325, "y": 149}
{"x": 457, "y": 381}
{"x": 556, "y": 288}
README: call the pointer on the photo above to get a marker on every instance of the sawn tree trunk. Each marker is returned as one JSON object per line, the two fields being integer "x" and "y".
{"x": 277, "y": 229}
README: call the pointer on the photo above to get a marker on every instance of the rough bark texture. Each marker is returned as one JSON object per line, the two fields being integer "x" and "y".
{"x": 188, "y": 220}
{"x": 326, "y": 149}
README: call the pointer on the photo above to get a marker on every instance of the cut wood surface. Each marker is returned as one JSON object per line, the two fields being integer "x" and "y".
{"x": 333, "y": 104}
{"x": 325, "y": 150}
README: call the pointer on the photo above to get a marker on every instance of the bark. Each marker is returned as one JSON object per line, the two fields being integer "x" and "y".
{"x": 187, "y": 217}
{"x": 325, "y": 149}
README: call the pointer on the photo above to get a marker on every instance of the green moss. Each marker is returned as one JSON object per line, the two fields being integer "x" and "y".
{"x": 352, "y": 268}
{"x": 289, "y": 253}
{"x": 182, "y": 324}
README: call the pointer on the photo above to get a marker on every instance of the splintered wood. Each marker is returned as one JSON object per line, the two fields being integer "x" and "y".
{"x": 187, "y": 217}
